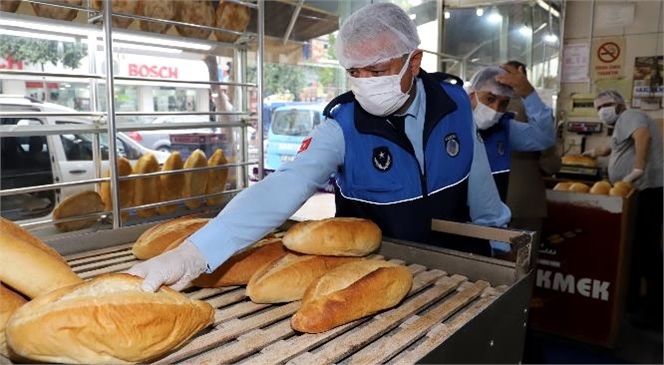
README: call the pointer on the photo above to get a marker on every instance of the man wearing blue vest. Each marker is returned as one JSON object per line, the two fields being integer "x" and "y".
{"x": 402, "y": 147}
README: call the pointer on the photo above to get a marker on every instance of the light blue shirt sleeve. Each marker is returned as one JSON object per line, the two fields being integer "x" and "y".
{"x": 539, "y": 133}
{"x": 484, "y": 202}
{"x": 269, "y": 203}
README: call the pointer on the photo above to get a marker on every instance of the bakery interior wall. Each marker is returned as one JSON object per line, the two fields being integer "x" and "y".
{"x": 601, "y": 21}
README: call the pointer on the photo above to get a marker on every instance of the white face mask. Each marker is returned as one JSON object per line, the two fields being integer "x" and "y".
{"x": 485, "y": 117}
{"x": 381, "y": 95}
{"x": 608, "y": 115}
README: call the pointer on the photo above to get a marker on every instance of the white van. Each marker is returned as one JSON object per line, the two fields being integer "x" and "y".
{"x": 38, "y": 160}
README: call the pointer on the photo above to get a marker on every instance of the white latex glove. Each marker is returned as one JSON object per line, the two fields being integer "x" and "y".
{"x": 590, "y": 153}
{"x": 632, "y": 176}
{"x": 175, "y": 268}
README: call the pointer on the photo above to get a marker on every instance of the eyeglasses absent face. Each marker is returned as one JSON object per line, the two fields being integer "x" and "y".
{"x": 391, "y": 67}
{"x": 496, "y": 102}
{"x": 605, "y": 105}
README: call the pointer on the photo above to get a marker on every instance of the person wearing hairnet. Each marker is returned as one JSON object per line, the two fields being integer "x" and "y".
{"x": 402, "y": 147}
{"x": 635, "y": 156}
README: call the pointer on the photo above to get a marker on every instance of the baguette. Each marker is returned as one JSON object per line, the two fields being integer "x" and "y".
{"x": 107, "y": 319}
{"x": 126, "y": 188}
{"x": 195, "y": 182}
{"x": 170, "y": 186}
{"x": 22, "y": 234}
{"x": 85, "y": 202}
{"x": 11, "y": 301}
{"x": 159, "y": 238}
{"x": 334, "y": 237}
{"x": 216, "y": 179}
{"x": 30, "y": 270}
{"x": 286, "y": 278}
{"x": 146, "y": 190}
{"x": 349, "y": 292}
{"x": 241, "y": 266}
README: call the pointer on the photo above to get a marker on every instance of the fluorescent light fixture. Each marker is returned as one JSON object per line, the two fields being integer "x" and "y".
{"x": 494, "y": 18}
{"x": 160, "y": 41}
{"x": 551, "y": 38}
{"x": 44, "y": 27}
{"x": 479, "y": 12}
{"x": 141, "y": 47}
{"x": 50, "y": 37}
{"x": 447, "y": 14}
{"x": 525, "y": 31}
{"x": 542, "y": 4}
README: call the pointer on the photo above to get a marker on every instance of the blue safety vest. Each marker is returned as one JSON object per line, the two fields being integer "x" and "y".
{"x": 497, "y": 144}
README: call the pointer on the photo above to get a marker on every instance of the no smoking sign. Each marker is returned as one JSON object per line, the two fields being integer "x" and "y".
{"x": 608, "y": 52}
{"x": 608, "y": 58}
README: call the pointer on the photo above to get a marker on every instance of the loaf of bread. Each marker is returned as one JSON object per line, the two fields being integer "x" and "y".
{"x": 9, "y": 6}
{"x": 30, "y": 270}
{"x": 119, "y": 6}
{"x": 10, "y": 301}
{"x": 579, "y": 160}
{"x": 146, "y": 190}
{"x": 579, "y": 187}
{"x": 171, "y": 186}
{"x": 198, "y": 12}
{"x": 107, "y": 319}
{"x": 216, "y": 180}
{"x": 334, "y": 237}
{"x": 620, "y": 188}
{"x": 562, "y": 186}
{"x": 349, "y": 292}
{"x": 286, "y": 278}
{"x": 21, "y": 233}
{"x": 160, "y": 238}
{"x": 164, "y": 10}
{"x": 231, "y": 16}
{"x": 85, "y": 202}
{"x": 601, "y": 188}
{"x": 195, "y": 183}
{"x": 238, "y": 269}
{"x": 126, "y": 188}
{"x": 55, "y": 12}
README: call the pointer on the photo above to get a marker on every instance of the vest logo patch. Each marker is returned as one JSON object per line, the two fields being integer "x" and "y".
{"x": 305, "y": 144}
{"x": 451, "y": 144}
{"x": 382, "y": 158}
{"x": 501, "y": 148}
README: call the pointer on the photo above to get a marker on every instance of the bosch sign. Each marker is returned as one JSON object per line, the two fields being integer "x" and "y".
{"x": 162, "y": 72}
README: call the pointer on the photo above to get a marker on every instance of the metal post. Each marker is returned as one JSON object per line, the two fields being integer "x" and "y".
{"x": 93, "y": 84}
{"x": 259, "y": 80}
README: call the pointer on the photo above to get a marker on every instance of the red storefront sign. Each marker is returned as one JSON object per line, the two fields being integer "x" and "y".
{"x": 156, "y": 71}
{"x": 10, "y": 64}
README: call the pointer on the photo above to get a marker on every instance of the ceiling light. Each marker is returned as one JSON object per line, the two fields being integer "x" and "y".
{"x": 120, "y": 45}
{"x": 494, "y": 17}
{"x": 542, "y": 4}
{"x": 479, "y": 11}
{"x": 551, "y": 38}
{"x": 447, "y": 14}
{"x": 525, "y": 31}
{"x": 50, "y": 37}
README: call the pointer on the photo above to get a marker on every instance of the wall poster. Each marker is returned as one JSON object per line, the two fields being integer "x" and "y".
{"x": 648, "y": 85}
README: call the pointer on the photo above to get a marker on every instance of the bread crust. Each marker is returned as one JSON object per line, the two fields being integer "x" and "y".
{"x": 146, "y": 190}
{"x": 161, "y": 237}
{"x": 126, "y": 188}
{"x": 579, "y": 187}
{"x": 216, "y": 180}
{"x": 85, "y": 202}
{"x": 119, "y": 6}
{"x": 11, "y": 301}
{"x": 21, "y": 233}
{"x": 199, "y": 12}
{"x": 579, "y": 160}
{"x": 349, "y": 292}
{"x": 195, "y": 183}
{"x": 54, "y": 12}
{"x": 165, "y": 10}
{"x": 30, "y": 270}
{"x": 562, "y": 186}
{"x": 171, "y": 186}
{"x": 286, "y": 278}
{"x": 240, "y": 267}
{"x": 601, "y": 188}
{"x": 107, "y": 319}
{"x": 334, "y": 237}
{"x": 231, "y": 16}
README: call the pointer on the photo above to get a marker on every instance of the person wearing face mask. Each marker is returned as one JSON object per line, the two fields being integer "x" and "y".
{"x": 635, "y": 156}
{"x": 401, "y": 145}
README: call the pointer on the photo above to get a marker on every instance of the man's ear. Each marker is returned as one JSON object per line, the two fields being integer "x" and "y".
{"x": 416, "y": 61}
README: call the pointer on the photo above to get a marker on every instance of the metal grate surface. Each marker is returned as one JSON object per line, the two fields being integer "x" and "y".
{"x": 438, "y": 305}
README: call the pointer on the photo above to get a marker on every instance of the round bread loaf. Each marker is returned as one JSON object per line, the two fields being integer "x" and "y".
{"x": 30, "y": 270}
{"x": 9, "y": 6}
{"x": 334, "y": 237}
{"x": 562, "y": 186}
{"x": 105, "y": 320}
{"x": 164, "y": 10}
{"x": 231, "y": 16}
{"x": 146, "y": 190}
{"x": 160, "y": 238}
{"x": 579, "y": 187}
{"x": 195, "y": 183}
{"x": 349, "y": 292}
{"x": 21, "y": 233}
{"x": 119, "y": 6}
{"x": 85, "y": 202}
{"x": 239, "y": 269}
{"x": 216, "y": 180}
{"x": 620, "y": 188}
{"x": 55, "y": 12}
{"x": 199, "y": 12}
{"x": 126, "y": 188}
{"x": 601, "y": 188}
{"x": 171, "y": 186}
{"x": 579, "y": 160}
{"x": 11, "y": 301}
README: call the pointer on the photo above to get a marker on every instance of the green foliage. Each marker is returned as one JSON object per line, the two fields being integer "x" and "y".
{"x": 281, "y": 79}
{"x": 40, "y": 51}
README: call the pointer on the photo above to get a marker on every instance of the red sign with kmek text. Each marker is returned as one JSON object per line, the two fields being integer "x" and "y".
{"x": 161, "y": 72}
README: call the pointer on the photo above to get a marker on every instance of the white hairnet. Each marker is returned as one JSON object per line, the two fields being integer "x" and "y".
{"x": 376, "y": 33}
{"x": 485, "y": 80}
{"x": 608, "y": 96}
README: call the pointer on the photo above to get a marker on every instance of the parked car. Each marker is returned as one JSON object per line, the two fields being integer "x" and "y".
{"x": 160, "y": 140}
{"x": 37, "y": 160}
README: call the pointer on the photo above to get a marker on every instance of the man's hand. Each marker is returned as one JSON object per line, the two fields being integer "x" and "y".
{"x": 633, "y": 176}
{"x": 517, "y": 80}
{"x": 175, "y": 268}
